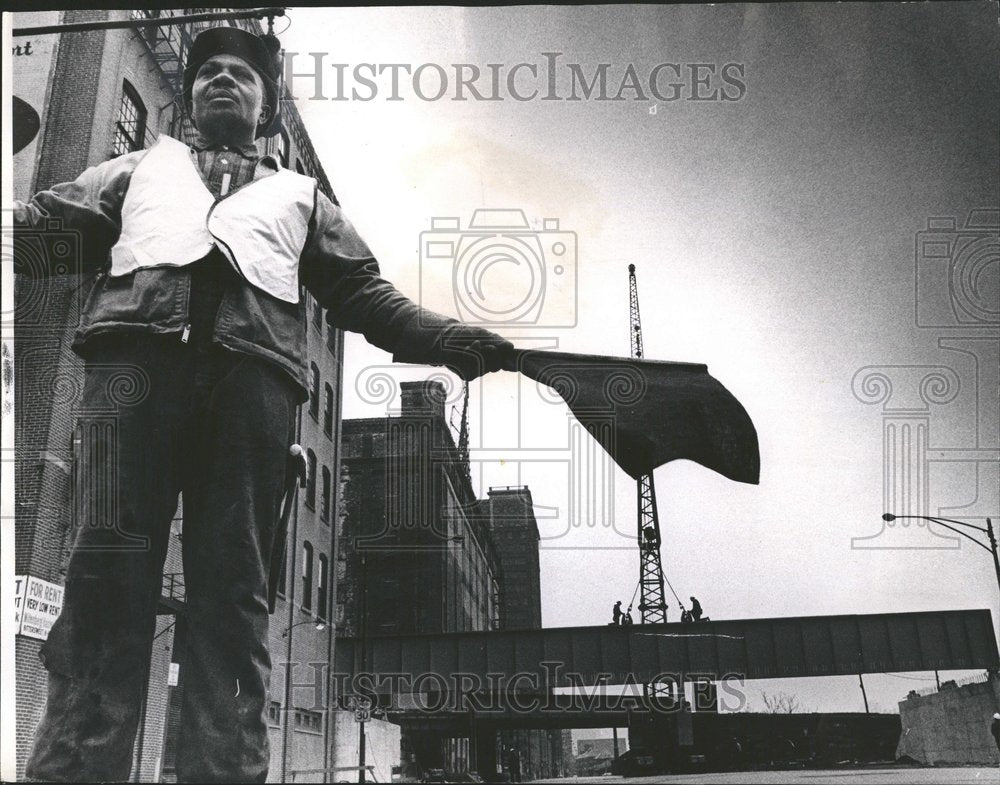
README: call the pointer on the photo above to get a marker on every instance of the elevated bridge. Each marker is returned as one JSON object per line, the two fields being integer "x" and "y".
{"x": 674, "y": 652}
{"x": 474, "y": 684}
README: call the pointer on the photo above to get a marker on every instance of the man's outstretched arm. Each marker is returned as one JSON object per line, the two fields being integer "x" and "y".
{"x": 89, "y": 207}
{"x": 343, "y": 275}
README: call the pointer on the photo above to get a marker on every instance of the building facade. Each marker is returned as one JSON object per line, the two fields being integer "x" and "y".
{"x": 950, "y": 725}
{"x": 508, "y": 513}
{"x": 420, "y": 554}
{"x": 100, "y": 94}
{"x": 413, "y": 558}
{"x": 409, "y": 509}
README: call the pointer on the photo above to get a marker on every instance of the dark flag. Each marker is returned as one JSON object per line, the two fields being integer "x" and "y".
{"x": 646, "y": 413}
{"x": 24, "y": 122}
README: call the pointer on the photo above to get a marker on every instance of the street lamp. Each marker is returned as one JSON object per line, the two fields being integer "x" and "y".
{"x": 320, "y": 626}
{"x": 946, "y": 522}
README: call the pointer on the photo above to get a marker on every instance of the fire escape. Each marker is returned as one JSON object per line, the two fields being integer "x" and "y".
{"x": 169, "y": 46}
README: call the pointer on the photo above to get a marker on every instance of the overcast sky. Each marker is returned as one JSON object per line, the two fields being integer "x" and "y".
{"x": 775, "y": 237}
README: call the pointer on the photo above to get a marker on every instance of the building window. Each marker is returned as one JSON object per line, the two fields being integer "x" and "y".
{"x": 274, "y": 713}
{"x": 314, "y": 391}
{"x": 307, "y": 576}
{"x": 283, "y": 148}
{"x": 322, "y": 586}
{"x": 283, "y": 577}
{"x": 317, "y": 315}
{"x": 311, "y": 480}
{"x": 328, "y": 410}
{"x": 324, "y": 505}
{"x": 308, "y": 721}
{"x": 130, "y": 129}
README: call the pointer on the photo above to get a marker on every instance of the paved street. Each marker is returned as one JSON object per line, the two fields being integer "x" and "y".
{"x": 864, "y": 776}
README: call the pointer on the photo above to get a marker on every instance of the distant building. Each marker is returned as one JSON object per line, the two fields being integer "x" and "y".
{"x": 436, "y": 559}
{"x": 508, "y": 513}
{"x": 594, "y": 757}
{"x": 412, "y": 551}
{"x": 99, "y": 95}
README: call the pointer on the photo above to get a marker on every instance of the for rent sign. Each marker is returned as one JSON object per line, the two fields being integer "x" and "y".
{"x": 37, "y": 605}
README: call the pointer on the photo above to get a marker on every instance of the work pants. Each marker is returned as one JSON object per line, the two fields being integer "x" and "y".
{"x": 159, "y": 417}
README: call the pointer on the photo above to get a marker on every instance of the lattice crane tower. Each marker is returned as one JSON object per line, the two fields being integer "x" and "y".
{"x": 651, "y": 601}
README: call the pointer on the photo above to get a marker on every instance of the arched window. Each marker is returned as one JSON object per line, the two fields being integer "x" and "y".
{"x": 328, "y": 411}
{"x": 314, "y": 391}
{"x": 130, "y": 128}
{"x": 311, "y": 480}
{"x": 324, "y": 508}
{"x": 321, "y": 587}
{"x": 307, "y": 576}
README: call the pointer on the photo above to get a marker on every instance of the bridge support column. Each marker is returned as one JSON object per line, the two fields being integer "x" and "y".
{"x": 656, "y": 735}
{"x": 484, "y": 746}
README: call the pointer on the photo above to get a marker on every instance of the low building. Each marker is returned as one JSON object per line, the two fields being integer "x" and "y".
{"x": 951, "y": 725}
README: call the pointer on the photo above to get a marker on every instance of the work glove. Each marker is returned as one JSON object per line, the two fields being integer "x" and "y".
{"x": 470, "y": 352}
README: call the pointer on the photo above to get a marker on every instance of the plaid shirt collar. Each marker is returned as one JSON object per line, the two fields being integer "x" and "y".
{"x": 248, "y": 151}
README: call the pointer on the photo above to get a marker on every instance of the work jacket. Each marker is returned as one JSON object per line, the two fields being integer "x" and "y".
{"x": 333, "y": 263}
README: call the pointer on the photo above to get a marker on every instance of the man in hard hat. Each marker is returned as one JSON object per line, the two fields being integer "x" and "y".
{"x": 199, "y": 316}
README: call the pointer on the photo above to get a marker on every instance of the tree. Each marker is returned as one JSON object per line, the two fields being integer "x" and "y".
{"x": 780, "y": 703}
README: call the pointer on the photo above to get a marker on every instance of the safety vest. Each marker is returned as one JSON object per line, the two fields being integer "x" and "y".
{"x": 170, "y": 218}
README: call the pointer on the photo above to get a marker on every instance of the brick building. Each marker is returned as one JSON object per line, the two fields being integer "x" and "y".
{"x": 436, "y": 560}
{"x": 100, "y": 94}
{"x": 413, "y": 558}
{"x": 508, "y": 513}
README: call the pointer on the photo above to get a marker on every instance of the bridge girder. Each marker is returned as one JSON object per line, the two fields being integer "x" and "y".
{"x": 643, "y": 653}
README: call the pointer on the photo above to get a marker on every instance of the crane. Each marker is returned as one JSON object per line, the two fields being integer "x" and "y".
{"x": 651, "y": 599}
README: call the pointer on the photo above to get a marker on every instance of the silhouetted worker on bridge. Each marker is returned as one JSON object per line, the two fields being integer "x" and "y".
{"x": 627, "y": 618}
{"x": 995, "y": 729}
{"x": 695, "y": 609}
{"x": 617, "y": 612}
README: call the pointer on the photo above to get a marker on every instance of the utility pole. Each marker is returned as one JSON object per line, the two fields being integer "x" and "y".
{"x": 651, "y": 600}
{"x": 364, "y": 656}
{"x": 993, "y": 549}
